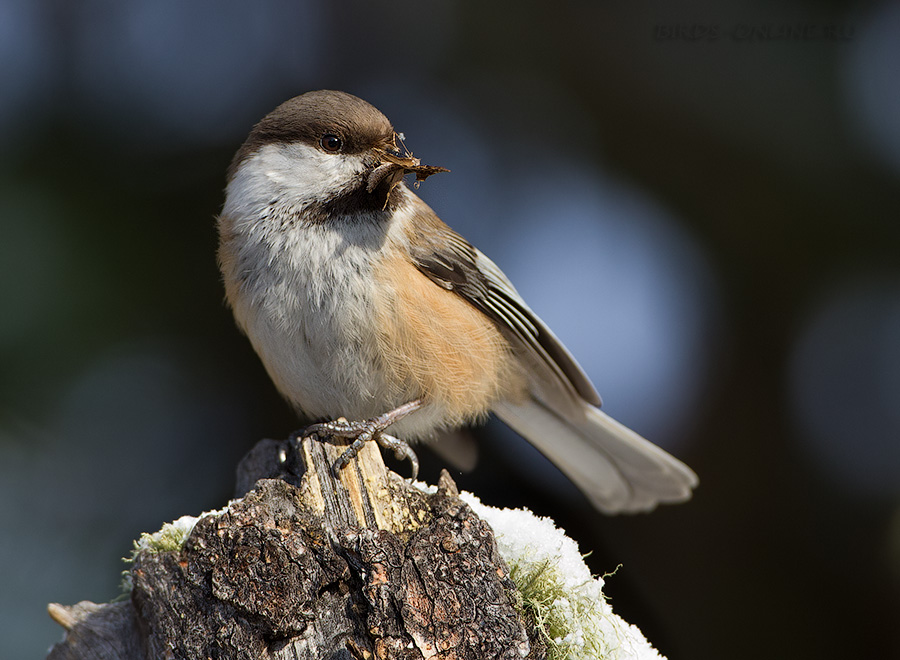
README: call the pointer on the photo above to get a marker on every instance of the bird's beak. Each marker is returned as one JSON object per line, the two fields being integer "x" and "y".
{"x": 392, "y": 168}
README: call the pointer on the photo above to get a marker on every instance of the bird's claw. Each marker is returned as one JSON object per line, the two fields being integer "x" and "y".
{"x": 362, "y": 432}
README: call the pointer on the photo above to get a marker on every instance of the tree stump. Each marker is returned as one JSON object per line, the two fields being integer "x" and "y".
{"x": 359, "y": 567}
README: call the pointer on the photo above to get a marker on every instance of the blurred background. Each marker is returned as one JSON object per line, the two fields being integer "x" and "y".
{"x": 701, "y": 199}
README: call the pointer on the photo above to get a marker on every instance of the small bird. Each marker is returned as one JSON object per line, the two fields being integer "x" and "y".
{"x": 364, "y": 306}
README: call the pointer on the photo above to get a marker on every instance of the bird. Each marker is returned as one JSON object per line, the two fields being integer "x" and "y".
{"x": 370, "y": 313}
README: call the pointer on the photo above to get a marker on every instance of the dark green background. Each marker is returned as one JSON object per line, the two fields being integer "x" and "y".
{"x": 128, "y": 395}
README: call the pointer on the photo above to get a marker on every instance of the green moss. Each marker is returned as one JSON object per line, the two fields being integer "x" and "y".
{"x": 170, "y": 538}
{"x": 565, "y": 620}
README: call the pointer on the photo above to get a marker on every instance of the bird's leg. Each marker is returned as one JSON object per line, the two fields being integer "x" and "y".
{"x": 362, "y": 432}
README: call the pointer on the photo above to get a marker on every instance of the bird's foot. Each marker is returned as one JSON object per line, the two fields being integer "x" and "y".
{"x": 362, "y": 432}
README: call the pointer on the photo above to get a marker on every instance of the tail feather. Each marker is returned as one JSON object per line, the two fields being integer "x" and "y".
{"x": 618, "y": 470}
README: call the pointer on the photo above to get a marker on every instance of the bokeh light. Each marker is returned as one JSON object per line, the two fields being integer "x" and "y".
{"x": 26, "y": 69}
{"x": 872, "y": 94}
{"x": 167, "y": 72}
{"x": 641, "y": 322}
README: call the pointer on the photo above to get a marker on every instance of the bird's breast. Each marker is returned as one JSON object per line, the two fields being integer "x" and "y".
{"x": 305, "y": 299}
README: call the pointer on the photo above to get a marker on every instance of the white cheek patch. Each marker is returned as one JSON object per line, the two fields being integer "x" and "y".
{"x": 295, "y": 173}
{"x": 307, "y": 172}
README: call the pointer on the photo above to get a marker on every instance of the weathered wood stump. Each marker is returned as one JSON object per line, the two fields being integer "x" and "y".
{"x": 364, "y": 566}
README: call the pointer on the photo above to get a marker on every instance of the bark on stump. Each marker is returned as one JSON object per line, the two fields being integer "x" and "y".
{"x": 365, "y": 566}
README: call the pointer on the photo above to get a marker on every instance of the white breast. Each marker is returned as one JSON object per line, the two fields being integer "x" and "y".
{"x": 303, "y": 291}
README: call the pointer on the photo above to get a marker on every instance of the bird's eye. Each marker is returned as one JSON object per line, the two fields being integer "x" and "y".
{"x": 331, "y": 142}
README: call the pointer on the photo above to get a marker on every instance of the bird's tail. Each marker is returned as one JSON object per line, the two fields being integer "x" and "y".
{"x": 618, "y": 470}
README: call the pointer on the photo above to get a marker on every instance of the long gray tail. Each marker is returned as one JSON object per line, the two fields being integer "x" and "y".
{"x": 618, "y": 470}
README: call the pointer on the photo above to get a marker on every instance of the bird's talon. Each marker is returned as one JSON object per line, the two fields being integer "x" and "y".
{"x": 361, "y": 433}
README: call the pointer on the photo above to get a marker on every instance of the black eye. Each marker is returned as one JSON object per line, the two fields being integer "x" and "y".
{"x": 331, "y": 142}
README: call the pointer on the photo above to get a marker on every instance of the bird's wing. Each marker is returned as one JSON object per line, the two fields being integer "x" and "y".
{"x": 454, "y": 264}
